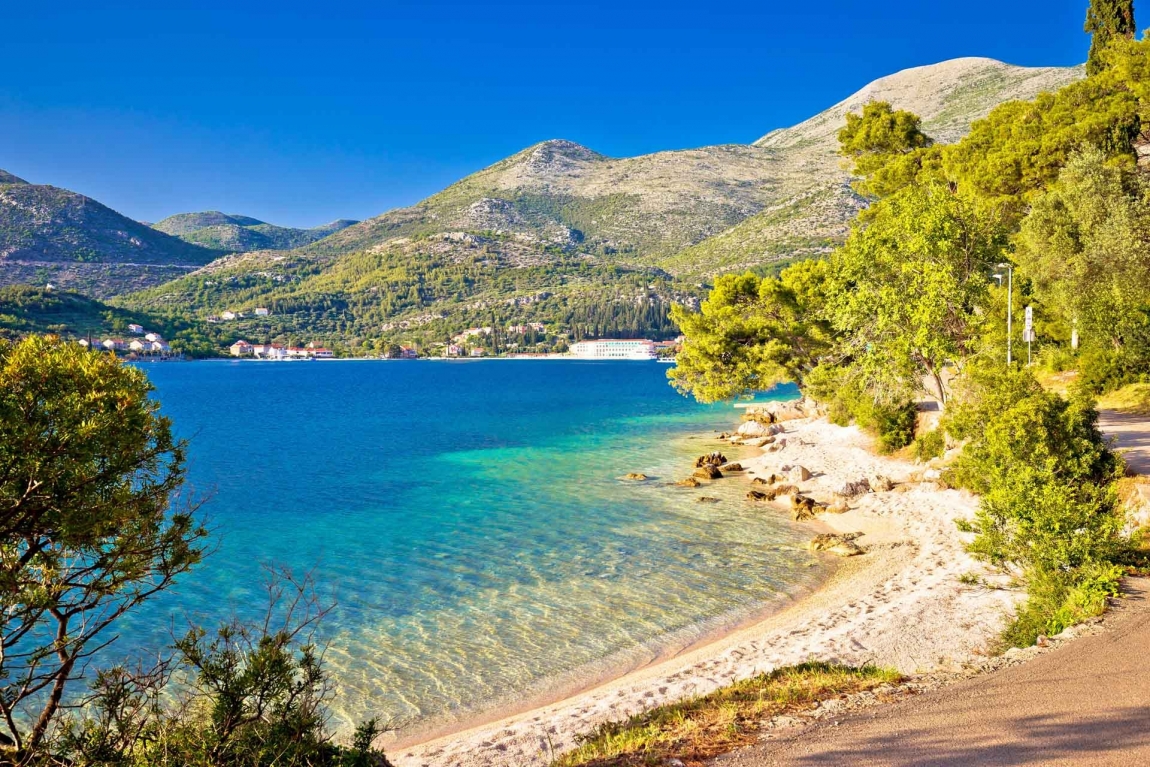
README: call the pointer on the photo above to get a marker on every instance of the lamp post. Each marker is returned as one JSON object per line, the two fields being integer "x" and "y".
{"x": 1009, "y": 308}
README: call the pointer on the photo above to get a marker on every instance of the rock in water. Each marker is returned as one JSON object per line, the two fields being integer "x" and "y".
{"x": 710, "y": 459}
{"x": 732, "y": 467}
{"x": 841, "y": 545}
{"x": 761, "y": 497}
{"x": 635, "y": 476}
{"x": 688, "y": 482}
{"x": 802, "y": 508}
{"x": 706, "y": 499}
{"x": 708, "y": 471}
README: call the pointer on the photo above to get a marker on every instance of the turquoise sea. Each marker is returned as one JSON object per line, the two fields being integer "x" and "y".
{"x": 467, "y": 519}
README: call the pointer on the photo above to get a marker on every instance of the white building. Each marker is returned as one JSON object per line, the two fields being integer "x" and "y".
{"x": 261, "y": 311}
{"x": 136, "y": 329}
{"x": 228, "y": 316}
{"x": 153, "y": 337}
{"x": 241, "y": 349}
{"x": 269, "y": 351}
{"x": 113, "y": 344}
{"x": 614, "y": 349}
{"x": 137, "y": 345}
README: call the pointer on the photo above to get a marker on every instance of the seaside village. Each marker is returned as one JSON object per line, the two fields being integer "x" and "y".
{"x": 150, "y": 345}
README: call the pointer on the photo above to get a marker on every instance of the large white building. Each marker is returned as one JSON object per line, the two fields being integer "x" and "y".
{"x": 614, "y": 349}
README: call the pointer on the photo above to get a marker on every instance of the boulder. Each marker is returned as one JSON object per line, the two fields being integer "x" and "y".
{"x": 881, "y": 484}
{"x": 688, "y": 482}
{"x": 754, "y": 429}
{"x": 779, "y": 445}
{"x": 854, "y": 489}
{"x": 758, "y": 441}
{"x": 798, "y": 474}
{"x": 732, "y": 467}
{"x": 768, "y": 480}
{"x": 841, "y": 545}
{"x": 635, "y": 476}
{"x": 802, "y": 508}
{"x": 786, "y": 490}
{"x": 710, "y": 459}
{"x": 706, "y": 499}
{"x": 761, "y": 497}
{"x": 707, "y": 471}
{"x": 840, "y": 506}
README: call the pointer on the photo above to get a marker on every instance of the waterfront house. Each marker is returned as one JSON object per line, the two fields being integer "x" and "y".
{"x": 269, "y": 351}
{"x": 478, "y": 352}
{"x": 114, "y": 344}
{"x": 153, "y": 337}
{"x": 137, "y": 345}
{"x": 241, "y": 349}
{"x": 136, "y": 329}
{"x": 261, "y": 311}
{"x": 453, "y": 350}
{"x": 408, "y": 353}
{"x": 159, "y": 347}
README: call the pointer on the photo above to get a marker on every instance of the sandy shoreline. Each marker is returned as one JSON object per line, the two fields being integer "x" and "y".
{"x": 899, "y": 605}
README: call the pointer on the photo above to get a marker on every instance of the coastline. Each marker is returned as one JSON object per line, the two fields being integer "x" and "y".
{"x": 901, "y": 604}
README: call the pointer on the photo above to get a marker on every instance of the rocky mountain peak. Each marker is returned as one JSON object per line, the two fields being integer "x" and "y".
{"x": 8, "y": 178}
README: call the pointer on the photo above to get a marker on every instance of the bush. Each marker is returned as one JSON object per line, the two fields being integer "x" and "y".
{"x": 1059, "y": 599}
{"x": 930, "y": 445}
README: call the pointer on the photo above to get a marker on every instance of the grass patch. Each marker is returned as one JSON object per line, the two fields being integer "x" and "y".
{"x": 1133, "y": 399}
{"x": 1057, "y": 600}
{"x": 700, "y": 728}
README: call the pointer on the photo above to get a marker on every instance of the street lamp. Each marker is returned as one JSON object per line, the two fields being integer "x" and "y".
{"x": 1009, "y": 306}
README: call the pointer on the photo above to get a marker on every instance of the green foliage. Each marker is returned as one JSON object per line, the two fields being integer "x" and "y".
{"x": 930, "y": 445}
{"x": 886, "y": 145}
{"x": 90, "y": 523}
{"x": 1059, "y": 599}
{"x": 751, "y": 333}
{"x": 905, "y": 287}
{"x": 1107, "y": 20}
{"x": 1084, "y": 245}
{"x": 1021, "y": 146}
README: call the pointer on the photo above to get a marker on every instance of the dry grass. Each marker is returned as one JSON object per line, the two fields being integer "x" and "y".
{"x": 1133, "y": 399}
{"x": 1058, "y": 382}
{"x": 698, "y": 729}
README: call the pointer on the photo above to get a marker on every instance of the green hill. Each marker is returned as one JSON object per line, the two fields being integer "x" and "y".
{"x": 230, "y": 233}
{"x": 52, "y": 235}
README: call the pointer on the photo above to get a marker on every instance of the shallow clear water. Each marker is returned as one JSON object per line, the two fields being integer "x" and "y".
{"x": 468, "y": 520}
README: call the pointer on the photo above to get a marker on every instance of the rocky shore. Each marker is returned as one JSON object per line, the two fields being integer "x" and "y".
{"x": 896, "y": 597}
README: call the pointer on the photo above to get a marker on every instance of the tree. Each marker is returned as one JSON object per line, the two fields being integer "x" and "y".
{"x": 752, "y": 333}
{"x": 1107, "y": 20}
{"x": 1085, "y": 245}
{"x": 91, "y": 521}
{"x": 905, "y": 290}
{"x": 888, "y": 147}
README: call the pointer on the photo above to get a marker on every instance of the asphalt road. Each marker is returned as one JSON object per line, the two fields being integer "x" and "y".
{"x": 1132, "y": 437}
{"x": 1084, "y": 703}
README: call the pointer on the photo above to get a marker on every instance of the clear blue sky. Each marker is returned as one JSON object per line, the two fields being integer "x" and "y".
{"x": 299, "y": 113}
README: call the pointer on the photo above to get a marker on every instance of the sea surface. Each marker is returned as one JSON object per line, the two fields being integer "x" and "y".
{"x": 467, "y": 521}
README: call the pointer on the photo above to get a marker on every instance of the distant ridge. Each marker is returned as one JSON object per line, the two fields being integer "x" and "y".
{"x": 231, "y": 233}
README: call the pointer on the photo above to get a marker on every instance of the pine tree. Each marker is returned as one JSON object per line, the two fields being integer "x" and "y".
{"x": 1107, "y": 20}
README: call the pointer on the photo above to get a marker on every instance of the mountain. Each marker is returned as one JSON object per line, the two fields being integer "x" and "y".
{"x": 238, "y": 234}
{"x": 48, "y": 234}
{"x": 561, "y": 234}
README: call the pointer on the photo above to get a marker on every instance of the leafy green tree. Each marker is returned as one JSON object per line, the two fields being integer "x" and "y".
{"x": 91, "y": 524}
{"x": 887, "y": 146}
{"x": 1085, "y": 245}
{"x": 752, "y": 333}
{"x": 905, "y": 290}
{"x": 1107, "y": 20}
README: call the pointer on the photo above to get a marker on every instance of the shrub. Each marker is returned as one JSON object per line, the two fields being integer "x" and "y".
{"x": 1058, "y": 599}
{"x": 930, "y": 445}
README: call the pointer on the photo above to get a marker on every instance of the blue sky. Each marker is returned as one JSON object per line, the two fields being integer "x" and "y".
{"x": 299, "y": 113}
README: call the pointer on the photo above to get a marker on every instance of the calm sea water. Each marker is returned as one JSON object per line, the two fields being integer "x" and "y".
{"x": 467, "y": 519}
